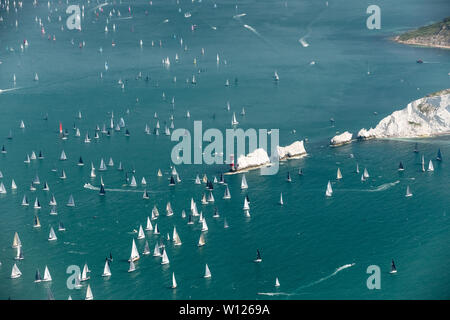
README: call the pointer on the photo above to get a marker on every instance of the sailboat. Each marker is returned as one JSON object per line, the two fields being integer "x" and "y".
{"x": 357, "y": 168}
{"x": 102, "y": 165}
{"x": 288, "y": 178}
{"x": 37, "y": 277}
{"x": 25, "y": 200}
{"x": 234, "y": 122}
{"x": 146, "y": 248}
{"x": 204, "y": 225}
{"x": 401, "y": 167}
{"x": 207, "y": 272}
{"x": 37, "y": 205}
{"x": 89, "y": 295}
{"x": 13, "y": 185}
{"x": 165, "y": 259}
{"x": 19, "y": 253}
{"x": 225, "y": 223}
{"x": 227, "y": 194}
{"x": 258, "y": 257}
{"x": 408, "y": 192}
{"x": 430, "y": 166}
{"x": 439, "y": 155}
{"x": 141, "y": 234}
{"x": 61, "y": 227}
{"x": 53, "y": 201}
{"x": 37, "y": 223}
{"x": 175, "y": 237}
{"x": 281, "y": 199}
{"x": 2, "y": 188}
{"x": 145, "y": 195}
{"x": 63, "y": 156}
{"x": 197, "y": 180}
{"x": 277, "y": 283}
{"x": 169, "y": 209}
{"x": 338, "y": 174}
{"x": 423, "y": 163}
{"x": 149, "y": 226}
{"x": 47, "y": 276}
{"x": 275, "y": 76}
{"x": 329, "y": 191}
{"x": 393, "y": 268}
{"x": 53, "y": 211}
{"x": 244, "y": 184}
{"x": 366, "y": 173}
{"x": 16, "y": 241}
{"x": 174, "y": 282}
{"x": 71, "y": 202}
{"x": 106, "y": 269}
{"x": 84, "y": 273}
{"x": 46, "y": 187}
{"x": 134, "y": 252}
{"x": 416, "y": 148}
{"x": 156, "y": 250}
{"x": 52, "y": 235}
{"x": 22, "y": 124}
{"x": 102, "y": 191}
{"x": 133, "y": 182}
{"x": 15, "y": 272}
{"x": 201, "y": 241}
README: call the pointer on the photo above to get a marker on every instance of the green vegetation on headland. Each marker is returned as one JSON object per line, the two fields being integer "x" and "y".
{"x": 434, "y": 35}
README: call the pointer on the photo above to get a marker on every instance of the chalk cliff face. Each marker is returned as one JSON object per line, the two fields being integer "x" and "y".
{"x": 424, "y": 117}
{"x": 256, "y": 158}
{"x": 295, "y": 149}
{"x": 341, "y": 139}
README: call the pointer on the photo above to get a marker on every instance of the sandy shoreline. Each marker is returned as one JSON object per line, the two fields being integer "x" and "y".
{"x": 419, "y": 44}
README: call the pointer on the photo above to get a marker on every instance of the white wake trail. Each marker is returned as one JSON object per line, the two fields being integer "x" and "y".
{"x": 91, "y": 187}
{"x": 295, "y": 292}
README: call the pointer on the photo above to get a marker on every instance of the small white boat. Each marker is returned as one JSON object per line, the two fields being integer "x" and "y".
{"x": 430, "y": 166}
{"x": 47, "y": 276}
{"x": 165, "y": 258}
{"x": 338, "y": 174}
{"x": 329, "y": 191}
{"x": 244, "y": 184}
{"x": 15, "y": 272}
{"x": 89, "y": 295}
{"x": 52, "y": 235}
{"x": 207, "y": 272}
{"x": 106, "y": 269}
{"x": 134, "y": 253}
{"x": 174, "y": 281}
{"x": 408, "y": 192}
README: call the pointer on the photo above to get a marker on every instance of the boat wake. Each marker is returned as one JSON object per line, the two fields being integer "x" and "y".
{"x": 7, "y": 90}
{"x": 91, "y": 187}
{"x": 295, "y": 292}
{"x": 382, "y": 187}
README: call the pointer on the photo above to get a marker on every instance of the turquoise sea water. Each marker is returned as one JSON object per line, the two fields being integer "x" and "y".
{"x": 304, "y": 242}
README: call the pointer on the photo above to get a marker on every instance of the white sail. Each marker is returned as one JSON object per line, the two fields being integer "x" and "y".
{"x": 134, "y": 252}
{"x": 146, "y": 248}
{"x": 246, "y": 205}
{"x": 227, "y": 194}
{"x": 15, "y": 272}
{"x": 339, "y": 174}
{"x": 71, "y": 202}
{"x": 277, "y": 283}
{"x": 149, "y": 226}
{"x": 143, "y": 181}
{"x": 156, "y": 251}
{"x": 233, "y": 120}
{"x": 2, "y": 188}
{"x": 430, "y": 166}
{"x": 52, "y": 235}
{"x": 13, "y": 185}
{"x": 204, "y": 225}
{"x": 329, "y": 191}
{"x": 132, "y": 266}
{"x": 175, "y": 237}
{"x": 174, "y": 281}
{"x": 141, "y": 234}
{"x": 207, "y": 272}
{"x": 89, "y": 295}
{"x": 84, "y": 273}
{"x": 106, "y": 270}
{"x": 244, "y": 182}
{"x": 201, "y": 240}
{"x": 281, "y": 199}
{"x": 165, "y": 258}
{"x": 102, "y": 165}
{"x": 366, "y": 173}
{"x": 408, "y": 192}
{"x": 133, "y": 182}
{"x": 47, "y": 276}
{"x": 16, "y": 241}
{"x": 63, "y": 156}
